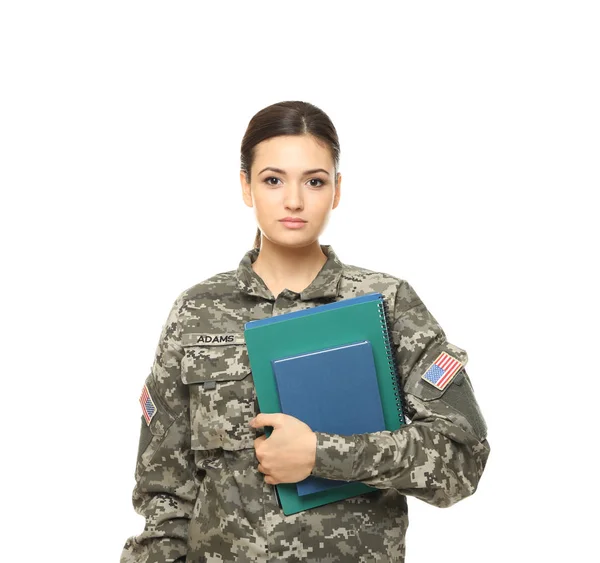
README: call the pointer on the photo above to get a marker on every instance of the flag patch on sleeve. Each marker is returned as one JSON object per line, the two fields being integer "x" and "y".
{"x": 148, "y": 406}
{"x": 441, "y": 372}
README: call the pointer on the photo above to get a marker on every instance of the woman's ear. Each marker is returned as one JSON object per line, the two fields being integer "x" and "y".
{"x": 338, "y": 191}
{"x": 246, "y": 189}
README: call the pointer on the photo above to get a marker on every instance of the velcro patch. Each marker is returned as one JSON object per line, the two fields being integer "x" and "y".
{"x": 148, "y": 406}
{"x": 441, "y": 372}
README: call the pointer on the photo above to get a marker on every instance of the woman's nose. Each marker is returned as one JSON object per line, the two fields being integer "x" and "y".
{"x": 293, "y": 196}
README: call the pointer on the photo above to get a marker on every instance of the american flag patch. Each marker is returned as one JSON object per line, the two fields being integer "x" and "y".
{"x": 441, "y": 372}
{"x": 148, "y": 406}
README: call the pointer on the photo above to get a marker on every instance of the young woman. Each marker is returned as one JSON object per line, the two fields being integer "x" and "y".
{"x": 205, "y": 472}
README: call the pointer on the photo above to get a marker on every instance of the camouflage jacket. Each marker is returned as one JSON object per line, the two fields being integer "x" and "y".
{"x": 197, "y": 482}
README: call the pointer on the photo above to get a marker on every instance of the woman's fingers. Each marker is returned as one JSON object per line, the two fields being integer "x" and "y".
{"x": 268, "y": 479}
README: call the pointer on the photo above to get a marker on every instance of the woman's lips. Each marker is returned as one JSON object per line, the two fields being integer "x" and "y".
{"x": 293, "y": 224}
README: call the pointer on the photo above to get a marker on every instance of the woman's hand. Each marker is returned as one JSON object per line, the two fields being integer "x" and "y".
{"x": 288, "y": 455}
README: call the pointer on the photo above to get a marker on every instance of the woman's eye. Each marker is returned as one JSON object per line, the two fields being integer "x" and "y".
{"x": 270, "y": 183}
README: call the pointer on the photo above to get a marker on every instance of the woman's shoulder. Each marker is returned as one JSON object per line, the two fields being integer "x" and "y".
{"x": 218, "y": 286}
{"x": 395, "y": 289}
{"x": 361, "y": 275}
{"x": 351, "y": 270}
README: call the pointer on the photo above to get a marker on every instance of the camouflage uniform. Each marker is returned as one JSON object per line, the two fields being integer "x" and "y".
{"x": 197, "y": 482}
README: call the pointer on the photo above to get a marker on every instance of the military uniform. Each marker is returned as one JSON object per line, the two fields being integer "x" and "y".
{"x": 197, "y": 478}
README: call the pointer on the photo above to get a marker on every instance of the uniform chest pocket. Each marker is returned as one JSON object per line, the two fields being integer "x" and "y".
{"x": 222, "y": 395}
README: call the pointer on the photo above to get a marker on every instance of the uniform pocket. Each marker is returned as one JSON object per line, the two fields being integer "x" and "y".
{"x": 462, "y": 399}
{"x": 222, "y": 395}
{"x": 152, "y": 435}
{"x": 456, "y": 401}
{"x": 417, "y": 386}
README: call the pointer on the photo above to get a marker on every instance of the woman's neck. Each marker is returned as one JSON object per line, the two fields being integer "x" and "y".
{"x": 282, "y": 267}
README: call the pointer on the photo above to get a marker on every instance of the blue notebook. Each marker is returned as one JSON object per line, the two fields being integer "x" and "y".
{"x": 332, "y": 390}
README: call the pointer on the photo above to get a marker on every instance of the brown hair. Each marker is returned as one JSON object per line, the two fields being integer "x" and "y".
{"x": 287, "y": 118}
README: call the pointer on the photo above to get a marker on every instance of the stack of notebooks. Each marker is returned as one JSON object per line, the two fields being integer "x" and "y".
{"x": 333, "y": 367}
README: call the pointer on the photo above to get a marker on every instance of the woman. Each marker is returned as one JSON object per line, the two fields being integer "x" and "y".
{"x": 205, "y": 472}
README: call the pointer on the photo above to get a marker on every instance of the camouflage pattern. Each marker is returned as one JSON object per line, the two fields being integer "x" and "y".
{"x": 197, "y": 482}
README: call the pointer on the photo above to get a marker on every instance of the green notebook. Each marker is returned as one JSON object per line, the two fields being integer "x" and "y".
{"x": 333, "y": 324}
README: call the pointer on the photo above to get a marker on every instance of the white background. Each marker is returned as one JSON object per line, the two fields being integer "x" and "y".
{"x": 470, "y": 161}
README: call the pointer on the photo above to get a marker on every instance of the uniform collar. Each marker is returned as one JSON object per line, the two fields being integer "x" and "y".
{"x": 325, "y": 284}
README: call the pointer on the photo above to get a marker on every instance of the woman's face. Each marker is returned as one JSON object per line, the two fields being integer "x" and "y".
{"x": 292, "y": 176}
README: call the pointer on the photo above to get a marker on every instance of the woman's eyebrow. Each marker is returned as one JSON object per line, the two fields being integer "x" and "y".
{"x": 279, "y": 171}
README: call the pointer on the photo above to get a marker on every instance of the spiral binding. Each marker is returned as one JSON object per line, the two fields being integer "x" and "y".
{"x": 384, "y": 316}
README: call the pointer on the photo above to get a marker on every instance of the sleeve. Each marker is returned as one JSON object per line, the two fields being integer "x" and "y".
{"x": 440, "y": 455}
{"x": 166, "y": 483}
